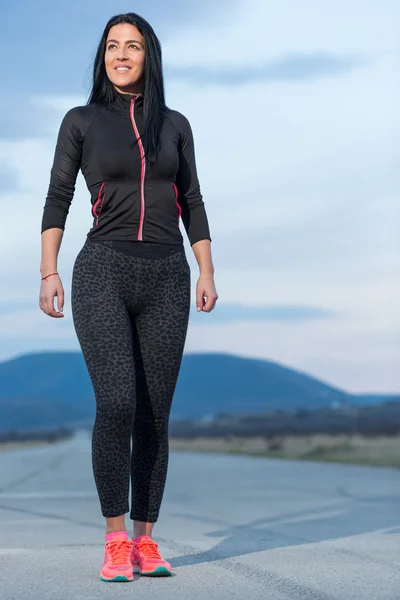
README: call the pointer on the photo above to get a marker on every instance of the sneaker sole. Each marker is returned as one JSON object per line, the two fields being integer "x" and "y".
{"x": 159, "y": 572}
{"x": 116, "y": 579}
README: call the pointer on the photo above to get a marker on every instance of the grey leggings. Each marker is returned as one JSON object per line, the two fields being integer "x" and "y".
{"x": 131, "y": 315}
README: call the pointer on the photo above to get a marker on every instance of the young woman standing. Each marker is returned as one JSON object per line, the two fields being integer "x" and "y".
{"x": 131, "y": 279}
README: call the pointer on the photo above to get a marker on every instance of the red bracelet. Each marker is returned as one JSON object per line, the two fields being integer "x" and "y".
{"x": 49, "y": 275}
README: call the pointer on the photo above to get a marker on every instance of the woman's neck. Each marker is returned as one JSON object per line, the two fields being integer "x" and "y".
{"x": 126, "y": 93}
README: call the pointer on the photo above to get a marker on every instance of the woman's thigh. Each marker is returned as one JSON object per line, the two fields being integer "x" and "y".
{"x": 104, "y": 332}
{"x": 159, "y": 335}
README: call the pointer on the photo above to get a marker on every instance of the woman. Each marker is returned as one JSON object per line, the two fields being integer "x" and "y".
{"x": 131, "y": 279}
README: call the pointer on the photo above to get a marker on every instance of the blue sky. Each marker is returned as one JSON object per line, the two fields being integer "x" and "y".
{"x": 294, "y": 111}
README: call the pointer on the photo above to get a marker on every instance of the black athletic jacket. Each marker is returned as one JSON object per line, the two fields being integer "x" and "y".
{"x": 130, "y": 199}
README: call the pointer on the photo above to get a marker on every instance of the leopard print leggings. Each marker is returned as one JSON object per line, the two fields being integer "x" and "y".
{"x": 130, "y": 315}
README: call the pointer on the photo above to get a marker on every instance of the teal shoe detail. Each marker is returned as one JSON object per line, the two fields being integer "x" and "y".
{"x": 117, "y": 578}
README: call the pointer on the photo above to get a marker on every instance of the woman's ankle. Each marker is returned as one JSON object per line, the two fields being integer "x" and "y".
{"x": 140, "y": 528}
{"x": 115, "y": 524}
{"x": 111, "y": 531}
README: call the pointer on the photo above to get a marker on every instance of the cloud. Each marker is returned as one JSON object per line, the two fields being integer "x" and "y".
{"x": 226, "y": 313}
{"x": 230, "y": 313}
{"x": 300, "y": 67}
{"x": 255, "y": 32}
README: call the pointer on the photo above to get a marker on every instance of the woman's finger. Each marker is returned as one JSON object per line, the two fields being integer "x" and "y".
{"x": 49, "y": 304}
{"x": 210, "y": 303}
{"x": 200, "y": 298}
{"x": 41, "y": 303}
{"x": 60, "y": 299}
{"x": 50, "y": 310}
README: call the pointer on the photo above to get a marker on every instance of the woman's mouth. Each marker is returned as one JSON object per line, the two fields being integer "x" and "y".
{"x": 122, "y": 69}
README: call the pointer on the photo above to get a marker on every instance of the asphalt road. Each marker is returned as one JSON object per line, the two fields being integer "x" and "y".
{"x": 233, "y": 527}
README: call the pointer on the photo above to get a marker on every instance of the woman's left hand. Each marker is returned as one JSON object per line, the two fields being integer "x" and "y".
{"x": 206, "y": 294}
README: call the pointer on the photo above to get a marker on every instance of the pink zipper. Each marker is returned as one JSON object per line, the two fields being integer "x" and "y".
{"x": 143, "y": 170}
{"x": 100, "y": 198}
{"x": 178, "y": 206}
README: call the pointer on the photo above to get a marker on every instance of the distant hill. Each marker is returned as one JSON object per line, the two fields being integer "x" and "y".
{"x": 54, "y": 387}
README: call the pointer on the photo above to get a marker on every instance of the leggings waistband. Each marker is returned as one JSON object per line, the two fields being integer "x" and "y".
{"x": 141, "y": 249}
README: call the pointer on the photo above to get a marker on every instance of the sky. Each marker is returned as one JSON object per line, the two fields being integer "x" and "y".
{"x": 294, "y": 110}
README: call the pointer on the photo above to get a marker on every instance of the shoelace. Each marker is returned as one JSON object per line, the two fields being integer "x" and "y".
{"x": 149, "y": 548}
{"x": 119, "y": 551}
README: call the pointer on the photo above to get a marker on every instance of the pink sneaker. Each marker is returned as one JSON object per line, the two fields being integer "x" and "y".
{"x": 117, "y": 552}
{"x": 146, "y": 559}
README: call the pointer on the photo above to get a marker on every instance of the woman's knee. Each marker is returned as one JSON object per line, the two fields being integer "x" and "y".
{"x": 116, "y": 406}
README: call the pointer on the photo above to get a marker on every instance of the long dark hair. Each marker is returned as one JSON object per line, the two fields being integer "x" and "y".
{"x": 154, "y": 107}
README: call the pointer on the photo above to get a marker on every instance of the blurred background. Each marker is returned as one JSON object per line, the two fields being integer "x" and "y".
{"x": 294, "y": 109}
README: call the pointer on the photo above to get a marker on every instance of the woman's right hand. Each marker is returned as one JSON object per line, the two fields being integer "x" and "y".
{"x": 49, "y": 289}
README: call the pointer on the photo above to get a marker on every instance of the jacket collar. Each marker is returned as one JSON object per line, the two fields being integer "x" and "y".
{"x": 123, "y": 101}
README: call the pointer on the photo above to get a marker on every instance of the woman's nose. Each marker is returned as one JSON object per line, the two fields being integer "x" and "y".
{"x": 122, "y": 54}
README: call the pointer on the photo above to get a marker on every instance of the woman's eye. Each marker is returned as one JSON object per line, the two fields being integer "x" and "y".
{"x": 130, "y": 46}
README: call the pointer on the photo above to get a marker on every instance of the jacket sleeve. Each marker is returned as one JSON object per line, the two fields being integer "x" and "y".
{"x": 64, "y": 172}
{"x": 190, "y": 199}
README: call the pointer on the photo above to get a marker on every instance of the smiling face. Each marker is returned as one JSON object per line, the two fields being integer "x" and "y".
{"x": 124, "y": 58}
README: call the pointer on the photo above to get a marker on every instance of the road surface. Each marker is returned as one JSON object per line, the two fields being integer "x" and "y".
{"x": 233, "y": 527}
